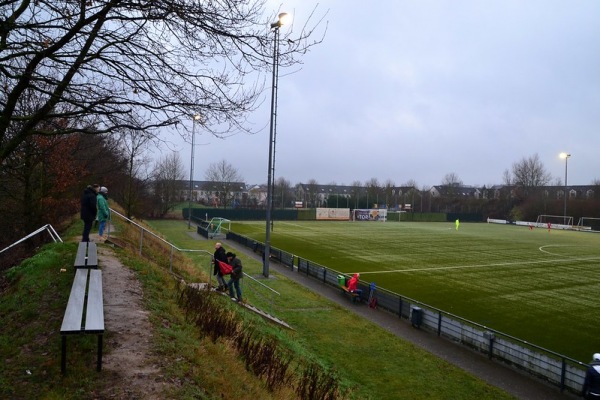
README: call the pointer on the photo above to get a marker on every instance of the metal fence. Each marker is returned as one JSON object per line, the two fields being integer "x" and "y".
{"x": 558, "y": 370}
{"x": 204, "y": 258}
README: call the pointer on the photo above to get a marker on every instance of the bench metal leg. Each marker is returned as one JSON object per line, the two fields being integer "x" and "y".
{"x": 63, "y": 355}
{"x": 99, "y": 363}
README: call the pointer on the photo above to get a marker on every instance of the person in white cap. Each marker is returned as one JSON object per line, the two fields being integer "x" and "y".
{"x": 591, "y": 385}
{"x": 219, "y": 255}
{"x": 103, "y": 211}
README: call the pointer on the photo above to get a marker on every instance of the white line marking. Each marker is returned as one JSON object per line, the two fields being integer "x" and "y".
{"x": 541, "y": 248}
{"x": 481, "y": 265}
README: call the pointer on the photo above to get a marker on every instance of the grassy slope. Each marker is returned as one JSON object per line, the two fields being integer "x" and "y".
{"x": 385, "y": 364}
{"x": 33, "y": 304}
{"x": 535, "y": 285}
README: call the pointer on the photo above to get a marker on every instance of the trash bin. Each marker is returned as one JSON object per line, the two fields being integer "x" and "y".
{"x": 416, "y": 316}
{"x": 341, "y": 280}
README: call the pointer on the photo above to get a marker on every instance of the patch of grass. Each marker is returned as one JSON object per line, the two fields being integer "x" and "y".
{"x": 32, "y": 308}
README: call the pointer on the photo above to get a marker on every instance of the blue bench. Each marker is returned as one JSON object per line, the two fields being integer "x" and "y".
{"x": 87, "y": 255}
{"x": 84, "y": 313}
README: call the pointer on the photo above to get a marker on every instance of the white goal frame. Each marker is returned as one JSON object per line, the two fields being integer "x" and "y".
{"x": 216, "y": 224}
{"x": 582, "y": 220}
{"x": 563, "y": 220}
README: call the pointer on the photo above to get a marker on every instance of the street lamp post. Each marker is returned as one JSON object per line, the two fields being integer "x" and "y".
{"x": 272, "y": 134}
{"x": 195, "y": 118}
{"x": 566, "y": 157}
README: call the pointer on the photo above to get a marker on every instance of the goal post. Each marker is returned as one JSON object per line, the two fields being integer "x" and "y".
{"x": 216, "y": 224}
{"x": 560, "y": 220}
{"x": 589, "y": 224}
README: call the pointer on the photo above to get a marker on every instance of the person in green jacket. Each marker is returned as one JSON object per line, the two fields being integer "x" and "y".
{"x": 103, "y": 210}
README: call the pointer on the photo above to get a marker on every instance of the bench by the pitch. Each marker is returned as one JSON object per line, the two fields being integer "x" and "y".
{"x": 87, "y": 255}
{"x": 85, "y": 311}
{"x": 354, "y": 296}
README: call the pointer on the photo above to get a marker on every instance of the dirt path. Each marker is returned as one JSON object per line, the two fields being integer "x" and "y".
{"x": 127, "y": 363}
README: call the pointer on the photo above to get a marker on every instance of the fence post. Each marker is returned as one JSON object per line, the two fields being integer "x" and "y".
{"x": 490, "y": 337}
{"x": 141, "y": 239}
{"x": 400, "y": 307}
{"x": 563, "y": 372}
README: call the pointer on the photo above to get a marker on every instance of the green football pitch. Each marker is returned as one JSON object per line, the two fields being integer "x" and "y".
{"x": 537, "y": 285}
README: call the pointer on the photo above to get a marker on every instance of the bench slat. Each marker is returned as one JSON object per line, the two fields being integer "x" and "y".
{"x": 81, "y": 254}
{"x": 94, "y": 319}
{"x": 74, "y": 312}
{"x": 92, "y": 257}
{"x": 87, "y": 255}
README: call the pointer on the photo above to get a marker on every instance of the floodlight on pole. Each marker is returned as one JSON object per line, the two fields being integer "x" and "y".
{"x": 566, "y": 157}
{"x": 195, "y": 118}
{"x": 283, "y": 19}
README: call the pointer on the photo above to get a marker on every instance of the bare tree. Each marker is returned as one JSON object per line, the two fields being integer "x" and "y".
{"x": 356, "y": 192}
{"x": 92, "y": 64}
{"x": 226, "y": 179}
{"x": 530, "y": 172}
{"x": 282, "y": 192}
{"x": 411, "y": 183}
{"x": 451, "y": 179}
{"x": 507, "y": 178}
{"x": 168, "y": 174}
{"x": 410, "y": 193}
{"x": 312, "y": 187}
{"x": 134, "y": 146}
{"x": 388, "y": 190}
{"x": 373, "y": 190}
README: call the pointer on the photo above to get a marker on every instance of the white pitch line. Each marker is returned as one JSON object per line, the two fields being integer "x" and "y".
{"x": 482, "y": 265}
{"x": 541, "y": 248}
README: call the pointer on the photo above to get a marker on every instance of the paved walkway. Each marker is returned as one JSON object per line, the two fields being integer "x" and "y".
{"x": 520, "y": 385}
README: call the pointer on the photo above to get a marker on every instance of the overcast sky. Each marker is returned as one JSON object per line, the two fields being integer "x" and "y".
{"x": 418, "y": 89}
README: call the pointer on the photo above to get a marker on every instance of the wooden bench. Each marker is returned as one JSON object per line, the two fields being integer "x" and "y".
{"x": 87, "y": 255}
{"x": 85, "y": 311}
{"x": 354, "y": 296}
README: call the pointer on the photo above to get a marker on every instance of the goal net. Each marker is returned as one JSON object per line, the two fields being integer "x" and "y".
{"x": 589, "y": 224}
{"x": 555, "y": 220}
{"x": 216, "y": 225}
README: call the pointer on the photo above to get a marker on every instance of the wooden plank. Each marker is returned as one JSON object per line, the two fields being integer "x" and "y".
{"x": 92, "y": 256}
{"x": 81, "y": 254}
{"x": 94, "y": 318}
{"x": 74, "y": 312}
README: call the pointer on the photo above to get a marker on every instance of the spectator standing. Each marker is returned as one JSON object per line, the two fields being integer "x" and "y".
{"x": 236, "y": 275}
{"x": 88, "y": 210}
{"x": 591, "y": 385}
{"x": 219, "y": 255}
{"x": 103, "y": 211}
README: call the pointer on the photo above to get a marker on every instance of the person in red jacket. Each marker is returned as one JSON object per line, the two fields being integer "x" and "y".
{"x": 236, "y": 275}
{"x": 219, "y": 255}
{"x": 353, "y": 284}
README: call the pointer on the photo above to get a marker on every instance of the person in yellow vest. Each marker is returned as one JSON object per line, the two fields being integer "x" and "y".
{"x": 457, "y": 223}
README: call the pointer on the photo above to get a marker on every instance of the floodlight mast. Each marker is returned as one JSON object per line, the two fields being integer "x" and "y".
{"x": 283, "y": 18}
{"x": 566, "y": 157}
{"x": 195, "y": 118}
